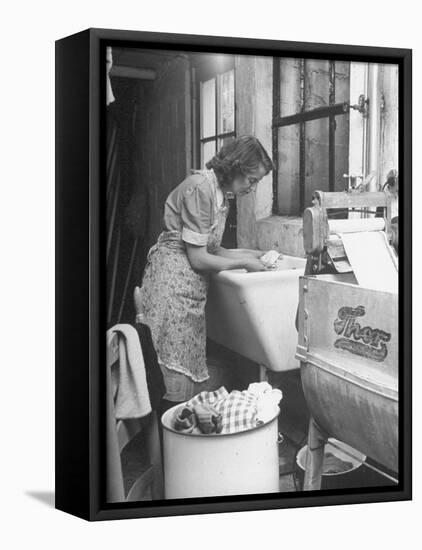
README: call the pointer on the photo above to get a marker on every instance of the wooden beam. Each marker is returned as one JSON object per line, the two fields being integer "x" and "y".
{"x": 132, "y": 72}
{"x": 351, "y": 200}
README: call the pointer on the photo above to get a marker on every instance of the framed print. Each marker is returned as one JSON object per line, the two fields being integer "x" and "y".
{"x": 233, "y": 297}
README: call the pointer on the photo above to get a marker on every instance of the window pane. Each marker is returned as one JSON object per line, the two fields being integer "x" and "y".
{"x": 224, "y": 141}
{"x": 207, "y": 152}
{"x": 317, "y": 83}
{"x": 316, "y": 158}
{"x": 208, "y": 108}
{"x": 342, "y": 82}
{"x": 226, "y": 102}
{"x": 288, "y": 170}
{"x": 341, "y": 148}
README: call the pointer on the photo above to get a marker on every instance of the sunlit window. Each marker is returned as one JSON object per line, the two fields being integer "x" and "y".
{"x": 217, "y": 113}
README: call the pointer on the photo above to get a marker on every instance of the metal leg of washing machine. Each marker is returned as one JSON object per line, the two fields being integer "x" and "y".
{"x": 317, "y": 439}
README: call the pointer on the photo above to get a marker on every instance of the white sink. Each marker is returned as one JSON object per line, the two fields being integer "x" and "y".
{"x": 254, "y": 313}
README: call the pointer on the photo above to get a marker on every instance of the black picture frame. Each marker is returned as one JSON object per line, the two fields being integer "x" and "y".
{"x": 80, "y": 286}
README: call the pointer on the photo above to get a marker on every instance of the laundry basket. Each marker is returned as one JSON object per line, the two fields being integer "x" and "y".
{"x": 197, "y": 465}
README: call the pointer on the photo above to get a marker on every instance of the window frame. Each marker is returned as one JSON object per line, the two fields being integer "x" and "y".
{"x": 206, "y": 68}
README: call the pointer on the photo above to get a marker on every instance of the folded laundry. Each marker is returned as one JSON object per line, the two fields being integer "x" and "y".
{"x": 222, "y": 412}
{"x": 238, "y": 411}
{"x": 259, "y": 388}
{"x": 268, "y": 400}
{"x": 210, "y": 397}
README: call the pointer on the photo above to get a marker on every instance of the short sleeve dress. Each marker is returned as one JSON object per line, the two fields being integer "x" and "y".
{"x": 173, "y": 295}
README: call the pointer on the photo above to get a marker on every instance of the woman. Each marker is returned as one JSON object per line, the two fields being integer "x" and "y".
{"x": 172, "y": 298}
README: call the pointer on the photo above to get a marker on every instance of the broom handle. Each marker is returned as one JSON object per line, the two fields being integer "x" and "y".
{"x": 129, "y": 273}
{"x": 113, "y": 278}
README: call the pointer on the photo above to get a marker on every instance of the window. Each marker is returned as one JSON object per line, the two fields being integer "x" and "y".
{"x": 217, "y": 113}
{"x": 310, "y": 130}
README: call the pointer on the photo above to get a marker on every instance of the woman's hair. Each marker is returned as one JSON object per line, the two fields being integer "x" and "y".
{"x": 239, "y": 157}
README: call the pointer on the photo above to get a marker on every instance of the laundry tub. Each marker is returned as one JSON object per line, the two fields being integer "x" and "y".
{"x": 197, "y": 465}
{"x": 254, "y": 314}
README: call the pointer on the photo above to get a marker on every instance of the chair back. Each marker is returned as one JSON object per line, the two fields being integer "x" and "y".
{"x": 149, "y": 485}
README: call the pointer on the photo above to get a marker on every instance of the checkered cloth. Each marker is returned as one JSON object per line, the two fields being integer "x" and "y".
{"x": 238, "y": 409}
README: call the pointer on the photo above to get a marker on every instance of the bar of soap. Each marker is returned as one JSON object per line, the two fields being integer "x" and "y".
{"x": 270, "y": 258}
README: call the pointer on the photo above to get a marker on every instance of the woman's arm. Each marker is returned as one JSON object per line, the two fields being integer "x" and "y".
{"x": 201, "y": 260}
{"x": 235, "y": 253}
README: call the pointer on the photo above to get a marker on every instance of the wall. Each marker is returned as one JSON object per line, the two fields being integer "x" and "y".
{"x": 256, "y": 226}
{"x": 162, "y": 143}
{"x": 288, "y": 138}
{"x": 254, "y": 116}
{"x": 389, "y": 131}
{"x": 159, "y": 160}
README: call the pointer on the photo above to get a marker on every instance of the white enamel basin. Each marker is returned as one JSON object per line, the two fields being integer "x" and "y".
{"x": 254, "y": 313}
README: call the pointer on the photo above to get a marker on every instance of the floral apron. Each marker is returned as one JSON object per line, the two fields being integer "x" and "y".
{"x": 173, "y": 297}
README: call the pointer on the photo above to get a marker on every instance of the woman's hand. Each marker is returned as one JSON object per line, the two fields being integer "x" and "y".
{"x": 258, "y": 253}
{"x": 245, "y": 253}
{"x": 252, "y": 253}
{"x": 254, "y": 264}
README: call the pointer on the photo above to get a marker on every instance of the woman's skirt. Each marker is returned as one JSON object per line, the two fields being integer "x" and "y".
{"x": 173, "y": 298}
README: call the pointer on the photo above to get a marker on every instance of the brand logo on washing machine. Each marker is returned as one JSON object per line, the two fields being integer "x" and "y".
{"x": 361, "y": 340}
